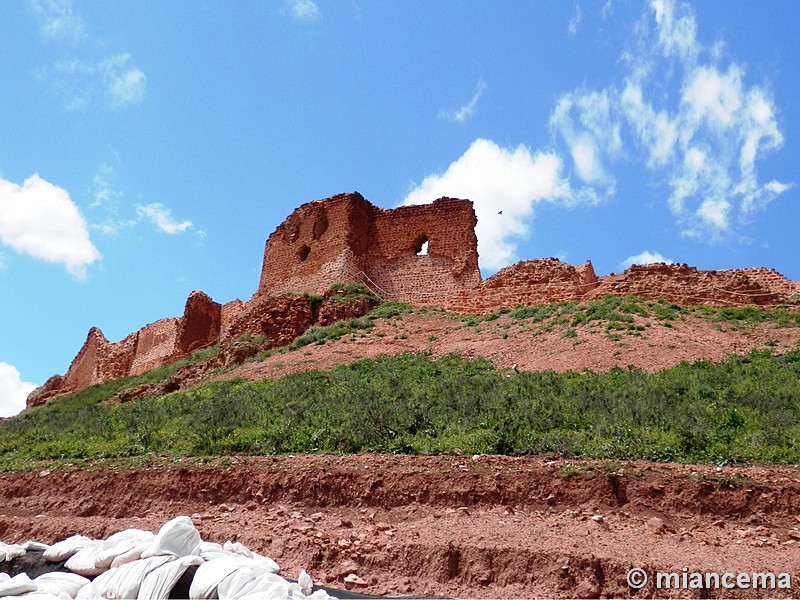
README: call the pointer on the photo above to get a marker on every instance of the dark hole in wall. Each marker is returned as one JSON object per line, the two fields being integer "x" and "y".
{"x": 320, "y": 226}
{"x": 303, "y": 253}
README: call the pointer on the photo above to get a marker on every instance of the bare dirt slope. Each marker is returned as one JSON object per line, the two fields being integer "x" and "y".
{"x": 535, "y": 346}
{"x": 484, "y": 526}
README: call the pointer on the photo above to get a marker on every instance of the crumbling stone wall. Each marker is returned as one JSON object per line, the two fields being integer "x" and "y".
{"x": 320, "y": 243}
{"x": 155, "y": 346}
{"x": 100, "y": 360}
{"x": 200, "y": 325}
{"x": 346, "y": 238}
{"x": 229, "y": 312}
{"x": 528, "y": 282}
{"x": 396, "y": 237}
{"x": 770, "y": 279}
{"x": 280, "y": 319}
{"x": 683, "y": 284}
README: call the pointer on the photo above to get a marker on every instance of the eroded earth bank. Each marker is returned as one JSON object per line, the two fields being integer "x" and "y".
{"x": 456, "y": 526}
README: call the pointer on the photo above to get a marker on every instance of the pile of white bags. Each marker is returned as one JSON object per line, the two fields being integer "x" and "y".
{"x": 139, "y": 564}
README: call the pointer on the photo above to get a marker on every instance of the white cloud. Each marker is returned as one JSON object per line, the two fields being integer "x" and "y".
{"x": 114, "y": 81}
{"x": 496, "y": 179}
{"x": 304, "y": 10}
{"x": 101, "y": 189}
{"x": 13, "y": 391}
{"x": 161, "y": 217}
{"x": 467, "y": 111}
{"x": 587, "y": 123}
{"x": 575, "y": 20}
{"x": 124, "y": 83}
{"x": 644, "y": 258}
{"x": 3, "y": 260}
{"x": 39, "y": 219}
{"x": 703, "y": 142}
{"x": 677, "y": 29}
{"x": 57, "y": 20}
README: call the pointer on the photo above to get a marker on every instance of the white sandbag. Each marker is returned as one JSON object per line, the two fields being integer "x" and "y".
{"x": 264, "y": 562}
{"x": 210, "y": 547}
{"x": 10, "y": 551}
{"x": 248, "y": 580}
{"x": 124, "y": 581}
{"x": 134, "y": 553}
{"x": 122, "y": 552}
{"x": 17, "y": 585}
{"x": 131, "y": 535}
{"x": 211, "y": 573}
{"x": 212, "y": 550}
{"x": 35, "y": 546}
{"x": 177, "y": 537}
{"x": 65, "y": 548}
{"x": 321, "y": 595}
{"x": 159, "y": 582}
{"x": 85, "y": 561}
{"x": 59, "y": 581}
{"x": 43, "y": 596}
{"x": 305, "y": 582}
{"x": 4, "y": 577}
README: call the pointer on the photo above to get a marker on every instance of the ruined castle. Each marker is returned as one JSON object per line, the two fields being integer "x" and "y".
{"x": 424, "y": 254}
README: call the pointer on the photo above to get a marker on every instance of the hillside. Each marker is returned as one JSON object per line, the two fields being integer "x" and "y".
{"x": 395, "y": 425}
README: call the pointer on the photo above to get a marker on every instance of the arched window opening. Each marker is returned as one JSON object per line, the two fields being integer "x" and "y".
{"x": 303, "y": 253}
{"x": 421, "y": 247}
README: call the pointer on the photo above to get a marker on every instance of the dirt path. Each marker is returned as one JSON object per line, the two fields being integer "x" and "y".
{"x": 484, "y": 526}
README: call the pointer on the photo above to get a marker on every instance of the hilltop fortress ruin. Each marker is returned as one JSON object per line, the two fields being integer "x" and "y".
{"x": 426, "y": 255}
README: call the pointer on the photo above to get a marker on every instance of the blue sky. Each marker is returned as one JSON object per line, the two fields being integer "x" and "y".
{"x": 147, "y": 149}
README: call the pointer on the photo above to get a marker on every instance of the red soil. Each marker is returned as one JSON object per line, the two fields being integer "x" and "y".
{"x": 482, "y": 526}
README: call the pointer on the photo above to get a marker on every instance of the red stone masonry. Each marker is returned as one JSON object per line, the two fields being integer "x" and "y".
{"x": 345, "y": 238}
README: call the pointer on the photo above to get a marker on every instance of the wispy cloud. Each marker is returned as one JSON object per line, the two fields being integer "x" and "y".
{"x": 161, "y": 216}
{"x": 644, "y": 258}
{"x": 57, "y": 20}
{"x": 13, "y": 391}
{"x": 124, "y": 82}
{"x": 505, "y": 184}
{"x": 106, "y": 198}
{"x": 304, "y": 10}
{"x": 111, "y": 80}
{"x": 3, "y": 260}
{"x": 703, "y": 141}
{"x": 39, "y": 219}
{"x": 575, "y": 20}
{"x": 466, "y": 112}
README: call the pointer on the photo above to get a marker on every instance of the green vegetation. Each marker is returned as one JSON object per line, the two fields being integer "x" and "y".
{"x": 619, "y": 314}
{"x": 352, "y": 291}
{"x": 745, "y": 408}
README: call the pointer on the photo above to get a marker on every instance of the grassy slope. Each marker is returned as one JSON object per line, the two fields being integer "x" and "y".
{"x": 745, "y": 408}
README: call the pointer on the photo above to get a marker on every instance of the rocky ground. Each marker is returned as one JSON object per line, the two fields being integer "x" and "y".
{"x": 457, "y": 526}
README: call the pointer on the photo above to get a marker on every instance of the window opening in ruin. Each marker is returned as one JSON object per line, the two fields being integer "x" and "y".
{"x": 320, "y": 226}
{"x": 303, "y": 252}
{"x": 422, "y": 246}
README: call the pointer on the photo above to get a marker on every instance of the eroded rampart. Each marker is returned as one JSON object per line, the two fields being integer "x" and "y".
{"x": 424, "y": 254}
